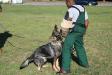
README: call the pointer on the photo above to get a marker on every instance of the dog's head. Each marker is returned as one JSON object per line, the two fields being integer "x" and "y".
{"x": 56, "y": 34}
{"x": 7, "y": 34}
{"x": 40, "y": 61}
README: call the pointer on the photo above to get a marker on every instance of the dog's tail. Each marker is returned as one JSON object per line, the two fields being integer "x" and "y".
{"x": 26, "y": 62}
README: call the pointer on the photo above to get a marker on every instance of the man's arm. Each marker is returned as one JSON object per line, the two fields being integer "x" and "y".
{"x": 86, "y": 20}
{"x": 86, "y": 23}
{"x": 69, "y": 19}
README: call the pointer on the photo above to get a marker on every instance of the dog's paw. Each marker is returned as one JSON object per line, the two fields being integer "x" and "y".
{"x": 44, "y": 66}
{"x": 39, "y": 68}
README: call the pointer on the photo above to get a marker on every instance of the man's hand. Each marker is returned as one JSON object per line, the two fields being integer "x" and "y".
{"x": 69, "y": 19}
{"x": 64, "y": 31}
{"x": 86, "y": 23}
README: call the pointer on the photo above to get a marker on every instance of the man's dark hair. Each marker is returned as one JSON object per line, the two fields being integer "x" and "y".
{"x": 69, "y": 3}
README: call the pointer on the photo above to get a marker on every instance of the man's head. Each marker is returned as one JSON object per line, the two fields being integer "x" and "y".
{"x": 69, "y": 3}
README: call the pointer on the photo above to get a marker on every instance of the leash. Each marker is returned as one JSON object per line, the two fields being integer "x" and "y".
{"x": 1, "y": 25}
{"x": 5, "y": 29}
{"x": 14, "y": 45}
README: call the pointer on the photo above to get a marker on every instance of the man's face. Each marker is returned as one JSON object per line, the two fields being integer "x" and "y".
{"x": 69, "y": 3}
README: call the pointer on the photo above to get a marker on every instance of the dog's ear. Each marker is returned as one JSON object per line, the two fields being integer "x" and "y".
{"x": 56, "y": 27}
{"x": 60, "y": 31}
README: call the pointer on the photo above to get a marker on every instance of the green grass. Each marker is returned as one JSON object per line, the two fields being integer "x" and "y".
{"x": 36, "y": 23}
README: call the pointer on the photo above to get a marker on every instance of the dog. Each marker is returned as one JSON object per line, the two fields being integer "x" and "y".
{"x": 3, "y": 38}
{"x": 51, "y": 50}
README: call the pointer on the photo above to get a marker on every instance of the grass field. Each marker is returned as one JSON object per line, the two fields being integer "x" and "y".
{"x": 35, "y": 23}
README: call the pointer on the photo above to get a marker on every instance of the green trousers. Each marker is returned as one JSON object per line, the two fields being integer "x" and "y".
{"x": 76, "y": 39}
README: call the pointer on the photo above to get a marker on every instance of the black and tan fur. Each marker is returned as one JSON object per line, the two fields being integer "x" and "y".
{"x": 51, "y": 50}
{"x": 3, "y": 38}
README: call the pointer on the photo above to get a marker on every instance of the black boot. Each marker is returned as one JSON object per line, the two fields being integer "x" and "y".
{"x": 63, "y": 72}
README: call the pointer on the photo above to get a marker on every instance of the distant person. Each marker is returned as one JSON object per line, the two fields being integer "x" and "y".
{"x": 77, "y": 15}
{"x": 0, "y": 8}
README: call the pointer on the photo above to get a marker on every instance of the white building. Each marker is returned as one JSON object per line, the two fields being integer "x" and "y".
{"x": 17, "y": 1}
{"x": 5, "y": 1}
{"x": 11, "y": 1}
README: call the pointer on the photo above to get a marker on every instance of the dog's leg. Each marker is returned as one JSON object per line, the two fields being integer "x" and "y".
{"x": 39, "y": 68}
{"x": 44, "y": 66}
{"x": 56, "y": 66}
{"x": 38, "y": 64}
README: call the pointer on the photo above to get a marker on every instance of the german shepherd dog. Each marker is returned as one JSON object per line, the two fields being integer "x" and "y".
{"x": 3, "y": 38}
{"x": 51, "y": 50}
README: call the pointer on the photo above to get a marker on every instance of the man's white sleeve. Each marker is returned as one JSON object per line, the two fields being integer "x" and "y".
{"x": 71, "y": 13}
{"x": 86, "y": 15}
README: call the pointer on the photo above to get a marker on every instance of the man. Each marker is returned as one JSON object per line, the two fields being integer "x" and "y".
{"x": 0, "y": 8}
{"x": 79, "y": 19}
